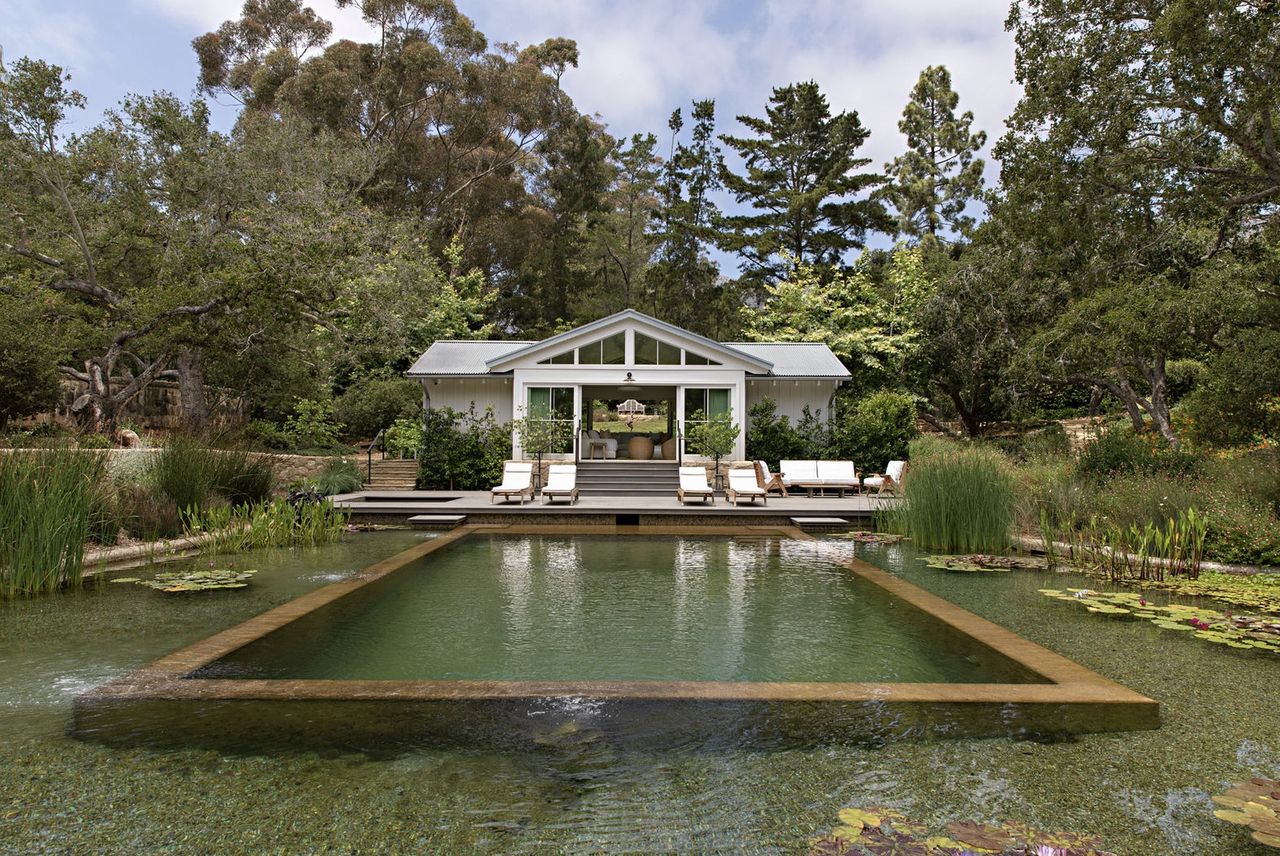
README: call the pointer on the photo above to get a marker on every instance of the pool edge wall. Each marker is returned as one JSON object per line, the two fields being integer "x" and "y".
{"x": 159, "y": 704}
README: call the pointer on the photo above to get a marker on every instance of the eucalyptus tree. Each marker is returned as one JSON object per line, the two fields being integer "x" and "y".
{"x": 811, "y": 202}
{"x": 457, "y": 121}
{"x": 934, "y": 182}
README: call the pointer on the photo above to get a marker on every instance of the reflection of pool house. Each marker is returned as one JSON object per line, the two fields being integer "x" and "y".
{"x": 629, "y": 355}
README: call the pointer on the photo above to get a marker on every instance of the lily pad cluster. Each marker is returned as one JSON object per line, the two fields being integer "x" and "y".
{"x": 1246, "y": 632}
{"x": 1255, "y": 804}
{"x": 863, "y": 537}
{"x": 195, "y": 580}
{"x": 981, "y": 563}
{"x": 887, "y": 832}
{"x": 1260, "y": 592}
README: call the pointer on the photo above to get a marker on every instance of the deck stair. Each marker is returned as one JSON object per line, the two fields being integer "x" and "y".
{"x": 392, "y": 474}
{"x": 628, "y": 478}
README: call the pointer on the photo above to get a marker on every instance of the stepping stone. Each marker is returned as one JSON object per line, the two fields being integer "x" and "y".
{"x": 437, "y": 521}
{"x": 820, "y": 522}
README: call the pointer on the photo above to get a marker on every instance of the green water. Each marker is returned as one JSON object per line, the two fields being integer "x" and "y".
{"x": 609, "y": 609}
{"x": 1144, "y": 792}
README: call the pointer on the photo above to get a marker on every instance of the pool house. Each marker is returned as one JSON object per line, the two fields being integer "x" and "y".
{"x": 617, "y": 363}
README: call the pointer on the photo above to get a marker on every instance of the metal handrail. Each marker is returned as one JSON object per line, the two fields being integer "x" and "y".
{"x": 377, "y": 440}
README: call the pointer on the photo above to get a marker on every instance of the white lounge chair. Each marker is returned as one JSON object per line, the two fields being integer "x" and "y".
{"x": 890, "y": 480}
{"x": 517, "y": 480}
{"x": 562, "y": 483}
{"x": 838, "y": 475}
{"x": 770, "y": 481}
{"x": 742, "y": 485}
{"x": 799, "y": 473}
{"x": 693, "y": 485}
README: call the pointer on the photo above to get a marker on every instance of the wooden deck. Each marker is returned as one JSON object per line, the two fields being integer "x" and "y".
{"x": 383, "y": 506}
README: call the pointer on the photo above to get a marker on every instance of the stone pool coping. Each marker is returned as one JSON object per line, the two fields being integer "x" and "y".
{"x": 1072, "y": 698}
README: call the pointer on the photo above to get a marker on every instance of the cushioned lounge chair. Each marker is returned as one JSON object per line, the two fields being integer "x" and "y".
{"x": 693, "y": 485}
{"x": 742, "y": 485}
{"x": 890, "y": 480}
{"x": 769, "y": 481}
{"x": 838, "y": 475}
{"x": 562, "y": 483}
{"x": 517, "y": 480}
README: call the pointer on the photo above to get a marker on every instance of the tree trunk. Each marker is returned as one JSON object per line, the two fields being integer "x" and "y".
{"x": 195, "y": 407}
{"x": 1159, "y": 408}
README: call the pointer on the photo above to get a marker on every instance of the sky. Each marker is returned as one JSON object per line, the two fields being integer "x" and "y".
{"x": 640, "y": 59}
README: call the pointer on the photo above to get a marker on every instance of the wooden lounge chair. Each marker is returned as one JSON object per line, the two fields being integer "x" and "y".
{"x": 562, "y": 483}
{"x": 770, "y": 481}
{"x": 742, "y": 485}
{"x": 693, "y": 485}
{"x": 838, "y": 475}
{"x": 517, "y": 480}
{"x": 890, "y": 480}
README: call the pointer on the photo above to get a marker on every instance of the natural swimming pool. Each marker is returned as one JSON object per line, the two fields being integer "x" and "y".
{"x": 609, "y": 608}
{"x": 1145, "y": 792}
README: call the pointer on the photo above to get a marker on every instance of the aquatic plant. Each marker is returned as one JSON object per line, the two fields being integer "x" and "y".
{"x": 278, "y": 523}
{"x": 47, "y": 504}
{"x": 957, "y": 499}
{"x": 863, "y": 537}
{"x": 888, "y": 832}
{"x": 193, "y": 580}
{"x": 980, "y": 563}
{"x": 1255, "y": 804}
{"x": 1245, "y": 632}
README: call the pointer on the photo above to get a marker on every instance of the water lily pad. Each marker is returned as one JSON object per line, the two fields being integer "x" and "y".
{"x": 177, "y": 582}
{"x": 980, "y": 835}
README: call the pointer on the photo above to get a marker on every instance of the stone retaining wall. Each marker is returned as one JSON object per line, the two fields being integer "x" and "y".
{"x": 288, "y": 468}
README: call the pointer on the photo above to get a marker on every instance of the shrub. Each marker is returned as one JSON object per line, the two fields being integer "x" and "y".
{"x": 462, "y": 451}
{"x": 267, "y": 435}
{"x": 404, "y": 437}
{"x": 1121, "y": 452}
{"x": 1050, "y": 441}
{"x": 341, "y": 475}
{"x": 878, "y": 429}
{"x": 1048, "y": 492}
{"x": 47, "y": 502}
{"x": 770, "y": 437}
{"x": 94, "y": 441}
{"x": 372, "y": 404}
{"x": 312, "y": 426}
{"x": 144, "y": 514}
{"x": 959, "y": 498}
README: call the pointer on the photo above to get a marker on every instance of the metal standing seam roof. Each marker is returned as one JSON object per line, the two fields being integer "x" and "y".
{"x": 462, "y": 357}
{"x": 795, "y": 359}
{"x": 469, "y": 357}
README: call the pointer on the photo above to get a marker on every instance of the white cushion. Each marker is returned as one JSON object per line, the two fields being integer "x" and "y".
{"x": 837, "y": 472}
{"x": 798, "y": 471}
{"x": 895, "y": 470}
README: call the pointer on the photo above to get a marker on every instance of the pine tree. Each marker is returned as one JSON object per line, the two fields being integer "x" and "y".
{"x": 803, "y": 179}
{"x": 938, "y": 176}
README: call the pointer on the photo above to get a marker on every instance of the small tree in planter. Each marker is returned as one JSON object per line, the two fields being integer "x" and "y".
{"x": 540, "y": 434}
{"x": 715, "y": 437}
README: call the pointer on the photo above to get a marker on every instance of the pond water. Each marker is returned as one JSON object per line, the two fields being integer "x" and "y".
{"x": 1144, "y": 792}
{"x": 600, "y": 608}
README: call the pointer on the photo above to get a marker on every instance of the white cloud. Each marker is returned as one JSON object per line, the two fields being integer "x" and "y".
{"x": 64, "y": 37}
{"x": 639, "y": 61}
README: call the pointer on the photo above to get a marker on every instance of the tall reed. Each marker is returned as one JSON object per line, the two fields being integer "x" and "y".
{"x": 957, "y": 499}
{"x": 270, "y": 524}
{"x": 47, "y": 502}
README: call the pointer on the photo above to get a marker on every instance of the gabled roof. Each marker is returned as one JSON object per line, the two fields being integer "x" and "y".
{"x": 464, "y": 357}
{"x": 702, "y": 342}
{"x": 796, "y": 359}
{"x": 479, "y": 357}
